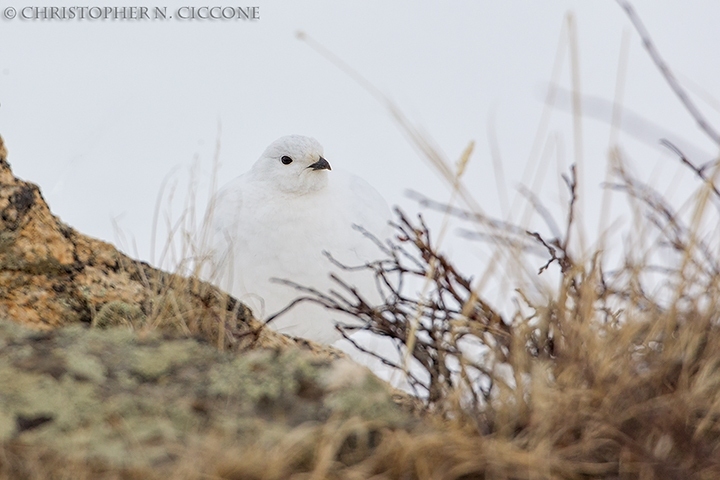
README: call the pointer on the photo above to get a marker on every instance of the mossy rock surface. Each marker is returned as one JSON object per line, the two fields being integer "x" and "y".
{"x": 109, "y": 396}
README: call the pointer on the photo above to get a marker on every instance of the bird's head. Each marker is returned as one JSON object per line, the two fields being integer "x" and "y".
{"x": 293, "y": 164}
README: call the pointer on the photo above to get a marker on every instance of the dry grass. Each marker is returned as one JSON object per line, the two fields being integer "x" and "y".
{"x": 604, "y": 380}
{"x": 613, "y": 375}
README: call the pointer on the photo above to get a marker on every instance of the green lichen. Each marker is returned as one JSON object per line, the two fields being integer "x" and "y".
{"x": 281, "y": 375}
{"x": 153, "y": 363}
{"x": 369, "y": 400}
{"x": 109, "y": 396}
{"x": 118, "y": 313}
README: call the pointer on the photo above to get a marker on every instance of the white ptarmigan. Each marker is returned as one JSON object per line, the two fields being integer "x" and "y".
{"x": 276, "y": 220}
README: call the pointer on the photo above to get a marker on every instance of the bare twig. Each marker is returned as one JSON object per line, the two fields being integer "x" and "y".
{"x": 571, "y": 183}
{"x": 446, "y": 314}
{"x": 667, "y": 73}
{"x": 699, "y": 171}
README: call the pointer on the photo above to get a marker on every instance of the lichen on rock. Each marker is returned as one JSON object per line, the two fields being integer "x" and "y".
{"x": 113, "y": 397}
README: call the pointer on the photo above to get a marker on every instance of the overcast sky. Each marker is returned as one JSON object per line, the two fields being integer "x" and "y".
{"x": 100, "y": 112}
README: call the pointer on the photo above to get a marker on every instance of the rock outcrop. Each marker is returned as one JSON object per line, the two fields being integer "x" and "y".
{"x": 52, "y": 276}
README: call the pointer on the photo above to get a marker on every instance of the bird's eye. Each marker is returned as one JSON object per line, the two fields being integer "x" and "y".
{"x": 286, "y": 160}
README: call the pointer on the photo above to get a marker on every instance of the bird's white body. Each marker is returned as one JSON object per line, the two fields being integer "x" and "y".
{"x": 276, "y": 220}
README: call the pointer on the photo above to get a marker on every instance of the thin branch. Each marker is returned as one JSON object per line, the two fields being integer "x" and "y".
{"x": 667, "y": 73}
{"x": 699, "y": 171}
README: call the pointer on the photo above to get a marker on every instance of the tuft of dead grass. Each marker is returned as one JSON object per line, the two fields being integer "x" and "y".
{"x": 612, "y": 374}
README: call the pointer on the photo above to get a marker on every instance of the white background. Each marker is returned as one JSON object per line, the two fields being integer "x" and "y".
{"x": 100, "y": 113}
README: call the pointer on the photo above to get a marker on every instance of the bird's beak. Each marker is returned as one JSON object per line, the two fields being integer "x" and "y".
{"x": 321, "y": 164}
